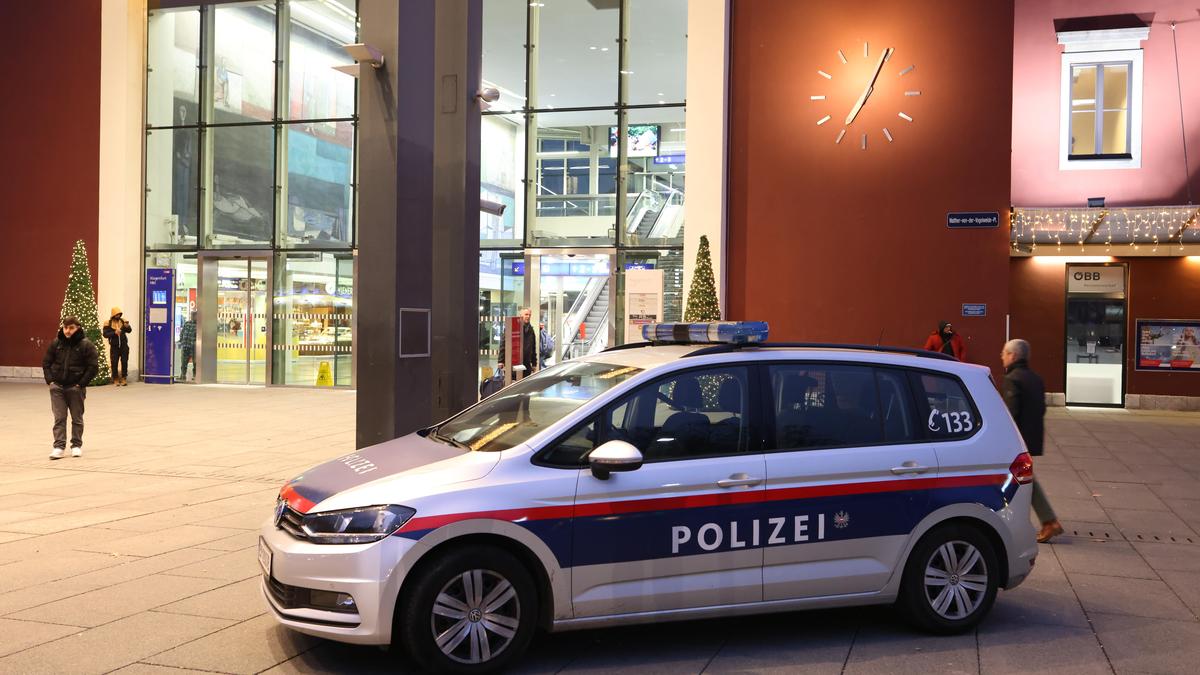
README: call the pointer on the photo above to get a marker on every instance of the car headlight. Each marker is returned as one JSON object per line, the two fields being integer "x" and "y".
{"x": 355, "y": 526}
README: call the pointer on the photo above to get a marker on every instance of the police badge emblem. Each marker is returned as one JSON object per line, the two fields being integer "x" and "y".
{"x": 841, "y": 520}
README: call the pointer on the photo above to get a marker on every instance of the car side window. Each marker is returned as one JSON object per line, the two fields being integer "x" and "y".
{"x": 571, "y": 450}
{"x": 895, "y": 407}
{"x": 821, "y": 405}
{"x": 944, "y": 407}
{"x": 693, "y": 414}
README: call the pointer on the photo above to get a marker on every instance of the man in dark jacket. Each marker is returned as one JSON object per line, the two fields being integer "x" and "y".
{"x": 1025, "y": 395}
{"x": 70, "y": 364}
{"x": 117, "y": 331}
{"x": 529, "y": 343}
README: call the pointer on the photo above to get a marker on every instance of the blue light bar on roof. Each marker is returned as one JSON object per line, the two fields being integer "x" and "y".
{"x": 734, "y": 332}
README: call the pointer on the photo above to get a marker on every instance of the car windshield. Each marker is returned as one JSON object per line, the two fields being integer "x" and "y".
{"x": 523, "y": 409}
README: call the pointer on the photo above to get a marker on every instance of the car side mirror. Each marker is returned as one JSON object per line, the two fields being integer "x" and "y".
{"x": 614, "y": 456}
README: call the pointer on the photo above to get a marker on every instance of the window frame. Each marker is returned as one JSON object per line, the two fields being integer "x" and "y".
{"x": 1101, "y": 54}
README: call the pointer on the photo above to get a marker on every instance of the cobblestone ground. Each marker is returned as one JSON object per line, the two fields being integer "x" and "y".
{"x": 139, "y": 557}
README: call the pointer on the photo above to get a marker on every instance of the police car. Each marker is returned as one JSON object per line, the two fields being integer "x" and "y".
{"x": 664, "y": 480}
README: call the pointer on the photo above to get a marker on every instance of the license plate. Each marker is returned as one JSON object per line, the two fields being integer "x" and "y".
{"x": 264, "y": 556}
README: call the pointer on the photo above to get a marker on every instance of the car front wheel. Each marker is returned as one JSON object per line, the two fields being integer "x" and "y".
{"x": 951, "y": 579}
{"x": 472, "y": 610}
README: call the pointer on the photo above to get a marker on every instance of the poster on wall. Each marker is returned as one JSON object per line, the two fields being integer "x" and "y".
{"x": 643, "y": 301}
{"x": 1168, "y": 345}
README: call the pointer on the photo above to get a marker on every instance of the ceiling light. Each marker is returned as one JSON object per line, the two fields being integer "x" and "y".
{"x": 604, "y": 49}
{"x": 661, "y": 101}
{"x": 592, "y": 48}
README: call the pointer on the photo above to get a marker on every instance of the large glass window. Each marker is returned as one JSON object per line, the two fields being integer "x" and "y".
{"x": 243, "y": 85}
{"x": 251, "y": 144}
{"x": 574, "y": 175}
{"x": 313, "y": 314}
{"x": 173, "y": 72}
{"x": 501, "y": 173}
{"x": 172, "y": 188}
{"x": 575, "y": 53}
{"x": 320, "y": 195}
{"x": 656, "y": 51}
{"x": 504, "y": 52}
{"x": 242, "y": 194}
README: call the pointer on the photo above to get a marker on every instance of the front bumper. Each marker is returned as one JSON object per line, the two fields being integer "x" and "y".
{"x": 367, "y": 572}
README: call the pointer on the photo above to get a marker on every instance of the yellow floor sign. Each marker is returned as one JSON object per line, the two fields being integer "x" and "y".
{"x": 324, "y": 375}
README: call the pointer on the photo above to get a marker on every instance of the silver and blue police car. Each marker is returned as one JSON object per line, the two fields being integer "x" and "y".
{"x": 664, "y": 480}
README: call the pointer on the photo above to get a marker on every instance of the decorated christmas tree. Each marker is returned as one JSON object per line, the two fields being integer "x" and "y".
{"x": 80, "y": 302}
{"x": 702, "y": 304}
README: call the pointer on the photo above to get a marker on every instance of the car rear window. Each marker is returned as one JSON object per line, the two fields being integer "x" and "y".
{"x": 946, "y": 409}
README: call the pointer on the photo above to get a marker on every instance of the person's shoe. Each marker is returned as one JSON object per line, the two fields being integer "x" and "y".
{"x": 56, "y": 453}
{"x": 77, "y": 452}
{"x": 1049, "y": 531}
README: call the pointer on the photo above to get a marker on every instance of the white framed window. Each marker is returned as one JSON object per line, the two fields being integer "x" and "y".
{"x": 1100, "y": 109}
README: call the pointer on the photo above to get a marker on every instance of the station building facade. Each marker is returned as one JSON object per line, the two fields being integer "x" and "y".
{"x": 829, "y": 154}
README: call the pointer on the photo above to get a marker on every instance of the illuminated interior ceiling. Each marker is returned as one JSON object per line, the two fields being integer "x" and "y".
{"x": 1104, "y": 226}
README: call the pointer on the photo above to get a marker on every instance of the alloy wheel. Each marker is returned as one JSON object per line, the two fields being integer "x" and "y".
{"x": 956, "y": 580}
{"x": 475, "y": 616}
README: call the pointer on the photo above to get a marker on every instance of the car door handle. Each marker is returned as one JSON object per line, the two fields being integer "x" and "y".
{"x": 738, "y": 480}
{"x": 909, "y": 467}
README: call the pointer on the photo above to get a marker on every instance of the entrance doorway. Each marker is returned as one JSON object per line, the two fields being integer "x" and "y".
{"x": 1096, "y": 330}
{"x": 572, "y": 295}
{"x": 234, "y": 324}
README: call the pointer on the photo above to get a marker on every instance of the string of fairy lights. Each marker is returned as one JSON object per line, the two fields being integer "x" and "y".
{"x": 1062, "y": 228}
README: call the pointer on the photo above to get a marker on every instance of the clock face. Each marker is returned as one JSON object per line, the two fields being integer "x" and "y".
{"x": 856, "y": 84}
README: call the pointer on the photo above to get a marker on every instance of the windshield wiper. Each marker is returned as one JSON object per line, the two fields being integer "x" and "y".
{"x": 448, "y": 441}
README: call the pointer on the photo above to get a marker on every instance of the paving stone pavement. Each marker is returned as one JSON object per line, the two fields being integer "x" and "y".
{"x": 139, "y": 557}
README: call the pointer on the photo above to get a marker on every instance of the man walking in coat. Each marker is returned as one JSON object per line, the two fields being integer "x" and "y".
{"x": 1025, "y": 395}
{"x": 117, "y": 331}
{"x": 70, "y": 364}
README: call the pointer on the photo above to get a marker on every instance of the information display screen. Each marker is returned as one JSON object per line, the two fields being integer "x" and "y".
{"x": 1168, "y": 345}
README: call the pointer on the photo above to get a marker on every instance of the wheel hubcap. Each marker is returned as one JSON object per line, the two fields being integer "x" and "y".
{"x": 956, "y": 579}
{"x": 475, "y": 616}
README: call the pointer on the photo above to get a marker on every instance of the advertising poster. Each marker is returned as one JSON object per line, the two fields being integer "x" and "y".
{"x": 1168, "y": 345}
{"x": 643, "y": 301}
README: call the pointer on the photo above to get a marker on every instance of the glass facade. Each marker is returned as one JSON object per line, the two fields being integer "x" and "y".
{"x": 250, "y": 160}
{"x": 586, "y": 148}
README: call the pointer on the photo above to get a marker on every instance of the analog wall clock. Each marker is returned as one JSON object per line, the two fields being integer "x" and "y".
{"x": 858, "y": 84}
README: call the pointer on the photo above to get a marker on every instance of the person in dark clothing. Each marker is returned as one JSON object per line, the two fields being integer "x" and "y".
{"x": 946, "y": 341}
{"x": 529, "y": 343}
{"x": 1025, "y": 396}
{"x": 117, "y": 331}
{"x": 187, "y": 347}
{"x": 70, "y": 364}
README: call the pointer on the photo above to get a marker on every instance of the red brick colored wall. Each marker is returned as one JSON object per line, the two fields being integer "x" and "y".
{"x": 831, "y": 243}
{"x": 50, "y": 144}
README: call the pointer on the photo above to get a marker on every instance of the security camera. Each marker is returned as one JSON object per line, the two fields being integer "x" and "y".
{"x": 365, "y": 53}
{"x": 493, "y": 208}
{"x": 486, "y": 96}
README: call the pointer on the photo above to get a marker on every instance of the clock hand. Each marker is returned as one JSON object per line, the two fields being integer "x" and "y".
{"x": 870, "y": 86}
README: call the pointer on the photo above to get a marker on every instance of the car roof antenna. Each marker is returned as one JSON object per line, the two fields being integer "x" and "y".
{"x": 880, "y": 340}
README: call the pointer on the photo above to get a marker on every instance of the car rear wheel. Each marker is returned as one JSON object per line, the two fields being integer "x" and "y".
{"x": 472, "y": 610}
{"x": 950, "y": 580}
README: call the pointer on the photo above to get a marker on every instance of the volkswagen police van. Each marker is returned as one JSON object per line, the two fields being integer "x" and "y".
{"x": 664, "y": 480}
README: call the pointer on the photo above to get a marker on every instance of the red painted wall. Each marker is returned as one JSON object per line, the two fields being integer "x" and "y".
{"x": 1159, "y": 288}
{"x": 830, "y": 242}
{"x": 1037, "y": 64}
{"x": 50, "y": 143}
